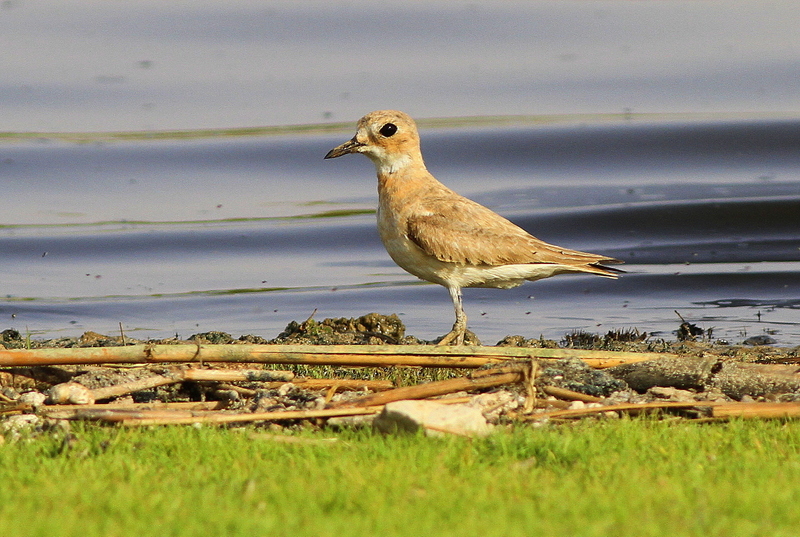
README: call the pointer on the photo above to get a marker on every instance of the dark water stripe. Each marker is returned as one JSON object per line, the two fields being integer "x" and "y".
{"x": 721, "y": 145}
{"x": 206, "y": 240}
{"x": 719, "y": 230}
{"x": 539, "y": 151}
{"x": 714, "y": 231}
{"x": 782, "y": 286}
{"x": 792, "y": 303}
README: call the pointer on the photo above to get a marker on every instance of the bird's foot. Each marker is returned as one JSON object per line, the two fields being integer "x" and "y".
{"x": 467, "y": 337}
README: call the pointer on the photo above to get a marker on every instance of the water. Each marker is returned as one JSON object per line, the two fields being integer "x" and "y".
{"x": 677, "y": 151}
{"x": 244, "y": 234}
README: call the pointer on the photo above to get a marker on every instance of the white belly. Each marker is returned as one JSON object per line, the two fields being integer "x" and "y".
{"x": 414, "y": 260}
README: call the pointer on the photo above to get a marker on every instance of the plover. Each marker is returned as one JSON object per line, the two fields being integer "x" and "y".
{"x": 442, "y": 237}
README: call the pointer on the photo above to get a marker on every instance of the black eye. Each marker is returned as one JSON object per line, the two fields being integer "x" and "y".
{"x": 388, "y": 129}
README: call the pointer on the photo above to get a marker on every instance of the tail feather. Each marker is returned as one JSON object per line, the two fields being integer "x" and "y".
{"x": 599, "y": 267}
{"x": 611, "y": 272}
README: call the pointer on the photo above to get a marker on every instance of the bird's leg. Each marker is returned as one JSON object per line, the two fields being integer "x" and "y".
{"x": 456, "y": 335}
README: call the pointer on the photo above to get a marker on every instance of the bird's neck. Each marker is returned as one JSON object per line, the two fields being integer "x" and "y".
{"x": 401, "y": 173}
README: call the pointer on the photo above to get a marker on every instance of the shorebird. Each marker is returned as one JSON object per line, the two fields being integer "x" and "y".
{"x": 442, "y": 237}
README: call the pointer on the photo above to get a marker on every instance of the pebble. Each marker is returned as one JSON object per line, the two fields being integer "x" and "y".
{"x": 10, "y": 393}
{"x": 285, "y": 389}
{"x": 20, "y": 421}
{"x": 35, "y": 399}
{"x": 672, "y": 394}
{"x": 69, "y": 393}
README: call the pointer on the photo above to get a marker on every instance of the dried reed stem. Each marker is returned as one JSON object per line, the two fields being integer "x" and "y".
{"x": 342, "y": 355}
{"x": 432, "y": 389}
{"x": 569, "y": 395}
{"x": 711, "y": 409}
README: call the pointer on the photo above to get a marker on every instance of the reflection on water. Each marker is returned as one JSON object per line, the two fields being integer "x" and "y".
{"x": 244, "y": 234}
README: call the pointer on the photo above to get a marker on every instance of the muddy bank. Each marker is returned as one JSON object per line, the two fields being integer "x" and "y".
{"x": 377, "y": 329}
{"x": 693, "y": 370}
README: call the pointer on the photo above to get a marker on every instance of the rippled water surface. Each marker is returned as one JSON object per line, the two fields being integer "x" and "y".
{"x": 245, "y": 230}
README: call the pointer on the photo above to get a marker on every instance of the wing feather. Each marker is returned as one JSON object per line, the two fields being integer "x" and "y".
{"x": 468, "y": 233}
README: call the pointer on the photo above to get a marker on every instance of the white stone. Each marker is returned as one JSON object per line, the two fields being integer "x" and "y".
{"x": 671, "y": 394}
{"x": 494, "y": 404}
{"x": 69, "y": 393}
{"x": 18, "y": 422}
{"x": 435, "y": 419}
{"x": 35, "y": 399}
{"x": 284, "y": 390}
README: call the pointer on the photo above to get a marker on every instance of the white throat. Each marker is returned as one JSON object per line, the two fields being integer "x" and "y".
{"x": 388, "y": 163}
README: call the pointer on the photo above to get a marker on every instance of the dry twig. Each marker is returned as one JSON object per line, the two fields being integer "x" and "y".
{"x": 222, "y": 418}
{"x": 569, "y": 395}
{"x": 487, "y": 379}
{"x": 702, "y": 409}
{"x": 67, "y": 412}
{"x": 344, "y": 355}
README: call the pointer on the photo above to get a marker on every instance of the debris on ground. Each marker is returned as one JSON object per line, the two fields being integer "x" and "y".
{"x": 370, "y": 329}
{"x": 465, "y": 391}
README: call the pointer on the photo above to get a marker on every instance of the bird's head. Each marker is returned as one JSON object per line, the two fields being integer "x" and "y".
{"x": 388, "y": 137}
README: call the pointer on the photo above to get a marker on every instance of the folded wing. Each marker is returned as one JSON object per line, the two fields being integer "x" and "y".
{"x": 475, "y": 235}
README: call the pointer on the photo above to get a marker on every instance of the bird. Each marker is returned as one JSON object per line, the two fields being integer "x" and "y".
{"x": 442, "y": 237}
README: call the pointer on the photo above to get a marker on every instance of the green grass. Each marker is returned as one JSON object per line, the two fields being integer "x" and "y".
{"x": 626, "y": 477}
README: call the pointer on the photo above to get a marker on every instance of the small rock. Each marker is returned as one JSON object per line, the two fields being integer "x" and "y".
{"x": 35, "y": 399}
{"x": 287, "y": 388}
{"x": 576, "y": 405}
{"x": 573, "y": 374}
{"x": 711, "y": 395}
{"x": 69, "y": 393}
{"x": 434, "y": 418}
{"x": 226, "y": 395}
{"x": 265, "y": 403}
{"x": 93, "y": 339}
{"x": 214, "y": 338}
{"x": 494, "y": 404}
{"x": 487, "y": 401}
{"x": 10, "y": 393}
{"x": 625, "y": 396}
{"x": 10, "y": 335}
{"x": 759, "y": 340}
{"x": 672, "y": 394}
{"x": 20, "y": 421}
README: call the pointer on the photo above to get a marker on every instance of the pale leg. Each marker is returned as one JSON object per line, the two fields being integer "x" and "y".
{"x": 456, "y": 335}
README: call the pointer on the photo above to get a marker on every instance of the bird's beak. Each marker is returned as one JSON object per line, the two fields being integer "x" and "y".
{"x": 350, "y": 146}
